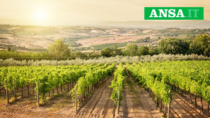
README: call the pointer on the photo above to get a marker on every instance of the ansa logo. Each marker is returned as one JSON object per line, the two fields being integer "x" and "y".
{"x": 173, "y": 13}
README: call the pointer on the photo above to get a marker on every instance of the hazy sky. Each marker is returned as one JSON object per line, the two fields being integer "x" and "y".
{"x": 65, "y": 12}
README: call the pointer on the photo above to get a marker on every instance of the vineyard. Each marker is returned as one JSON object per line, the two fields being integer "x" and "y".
{"x": 146, "y": 89}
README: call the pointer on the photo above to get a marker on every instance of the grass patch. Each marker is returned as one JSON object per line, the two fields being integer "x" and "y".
{"x": 57, "y": 107}
{"x": 130, "y": 85}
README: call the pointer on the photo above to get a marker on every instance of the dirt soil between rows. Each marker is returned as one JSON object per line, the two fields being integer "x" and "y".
{"x": 183, "y": 109}
{"x": 137, "y": 102}
{"x": 99, "y": 106}
{"x": 61, "y": 105}
{"x": 180, "y": 107}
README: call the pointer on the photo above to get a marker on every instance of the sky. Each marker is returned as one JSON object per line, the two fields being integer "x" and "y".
{"x": 68, "y": 12}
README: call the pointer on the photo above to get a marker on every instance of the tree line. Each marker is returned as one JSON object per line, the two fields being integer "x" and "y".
{"x": 199, "y": 45}
{"x": 59, "y": 50}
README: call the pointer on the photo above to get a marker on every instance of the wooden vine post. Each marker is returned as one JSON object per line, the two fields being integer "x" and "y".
{"x": 22, "y": 90}
{"x": 76, "y": 97}
{"x": 37, "y": 85}
{"x": 195, "y": 101}
{"x": 33, "y": 88}
{"x": 190, "y": 97}
{"x": 28, "y": 86}
{"x": 201, "y": 103}
{"x": 84, "y": 94}
{"x": 208, "y": 109}
{"x": 14, "y": 88}
{"x": 7, "y": 94}
{"x": 118, "y": 104}
{"x": 68, "y": 86}
{"x": 169, "y": 99}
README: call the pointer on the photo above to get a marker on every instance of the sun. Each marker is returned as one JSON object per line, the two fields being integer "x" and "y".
{"x": 41, "y": 16}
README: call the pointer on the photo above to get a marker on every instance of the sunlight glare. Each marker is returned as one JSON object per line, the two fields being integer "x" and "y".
{"x": 40, "y": 16}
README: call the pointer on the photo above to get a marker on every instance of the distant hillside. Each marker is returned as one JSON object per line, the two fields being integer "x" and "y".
{"x": 157, "y": 24}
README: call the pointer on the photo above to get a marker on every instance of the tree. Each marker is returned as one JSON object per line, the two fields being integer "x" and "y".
{"x": 67, "y": 53}
{"x": 207, "y": 51}
{"x": 58, "y": 49}
{"x": 153, "y": 51}
{"x": 107, "y": 52}
{"x": 93, "y": 55}
{"x": 79, "y": 55}
{"x": 117, "y": 51}
{"x": 131, "y": 50}
{"x": 201, "y": 45}
{"x": 143, "y": 50}
{"x": 8, "y": 49}
{"x": 174, "y": 46}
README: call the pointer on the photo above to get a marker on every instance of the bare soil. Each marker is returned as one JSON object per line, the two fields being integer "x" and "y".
{"x": 179, "y": 108}
{"x": 146, "y": 31}
{"x": 99, "y": 106}
{"x": 183, "y": 109}
{"x": 138, "y": 103}
{"x": 117, "y": 39}
{"x": 60, "y": 104}
{"x": 56, "y": 106}
{"x": 191, "y": 101}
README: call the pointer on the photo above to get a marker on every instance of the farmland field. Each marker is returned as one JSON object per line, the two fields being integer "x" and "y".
{"x": 137, "y": 90}
{"x": 37, "y": 37}
{"x": 109, "y": 45}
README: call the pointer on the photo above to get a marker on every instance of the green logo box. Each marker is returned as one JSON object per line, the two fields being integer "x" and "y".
{"x": 173, "y": 13}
